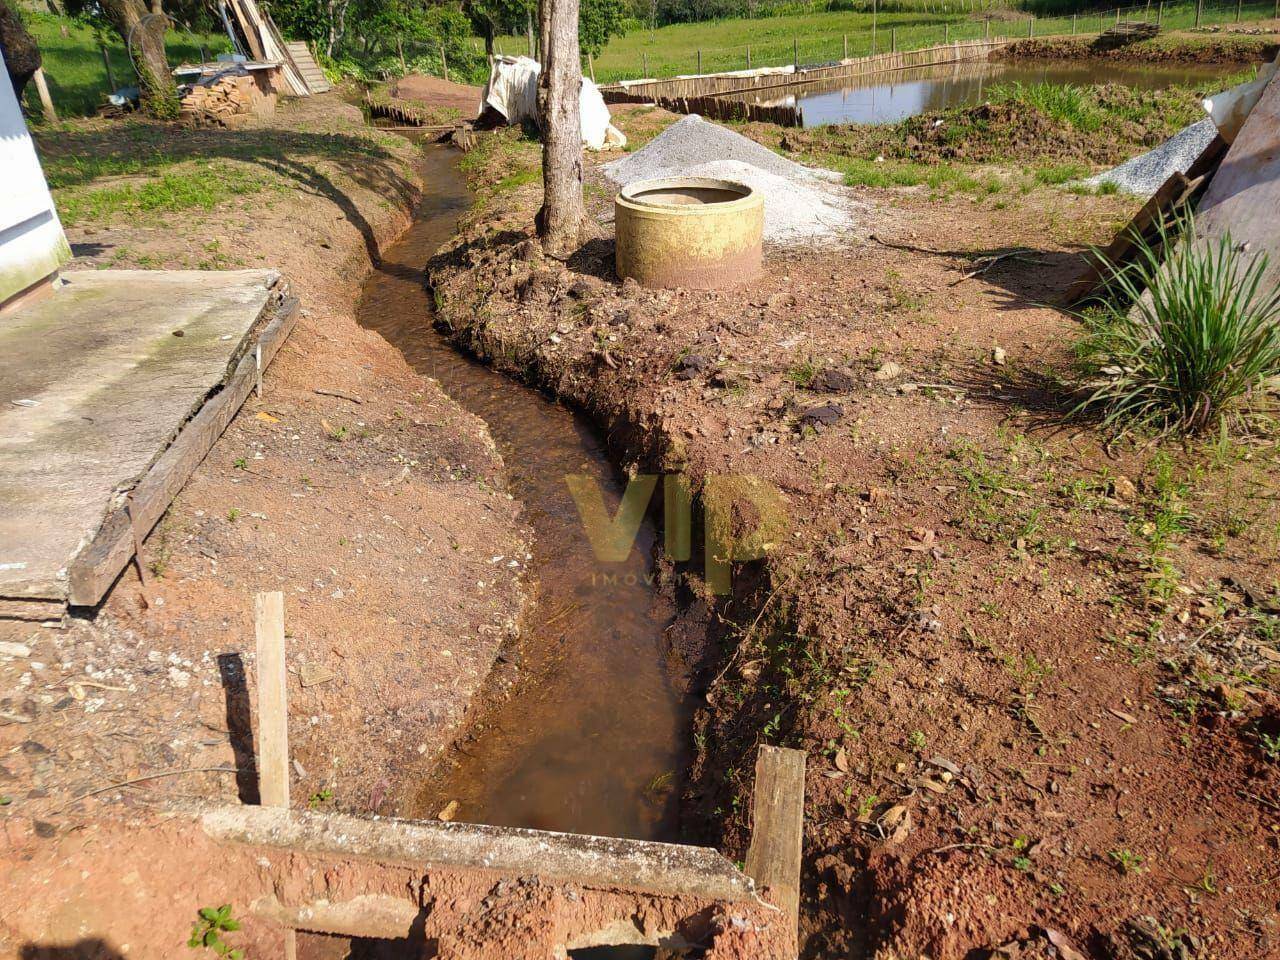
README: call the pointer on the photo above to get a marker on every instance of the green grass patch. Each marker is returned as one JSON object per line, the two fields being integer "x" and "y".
{"x": 1058, "y": 173}
{"x": 818, "y": 35}
{"x": 943, "y": 178}
{"x": 1196, "y": 351}
{"x": 199, "y": 185}
{"x": 72, "y": 53}
{"x": 1064, "y": 102}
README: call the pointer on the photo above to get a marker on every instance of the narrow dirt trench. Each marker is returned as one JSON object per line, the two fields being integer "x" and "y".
{"x": 592, "y": 736}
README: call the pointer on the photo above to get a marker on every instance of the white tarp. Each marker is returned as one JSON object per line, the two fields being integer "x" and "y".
{"x": 512, "y": 90}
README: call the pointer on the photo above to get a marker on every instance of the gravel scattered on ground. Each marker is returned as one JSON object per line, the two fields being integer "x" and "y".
{"x": 693, "y": 141}
{"x": 800, "y": 203}
{"x": 1144, "y": 174}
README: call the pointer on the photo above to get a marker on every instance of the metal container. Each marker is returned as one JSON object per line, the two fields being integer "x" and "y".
{"x": 691, "y": 232}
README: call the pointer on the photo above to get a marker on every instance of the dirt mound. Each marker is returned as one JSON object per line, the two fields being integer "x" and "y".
{"x": 1011, "y": 131}
{"x": 1222, "y": 49}
{"x": 436, "y": 92}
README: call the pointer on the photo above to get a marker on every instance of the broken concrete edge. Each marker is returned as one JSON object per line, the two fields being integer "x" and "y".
{"x": 95, "y": 568}
{"x": 664, "y": 869}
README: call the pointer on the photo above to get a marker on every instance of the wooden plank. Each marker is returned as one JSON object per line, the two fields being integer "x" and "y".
{"x": 1244, "y": 197}
{"x": 250, "y": 31}
{"x": 273, "y": 701}
{"x": 1169, "y": 201}
{"x": 777, "y": 830}
{"x": 96, "y": 567}
{"x": 273, "y": 715}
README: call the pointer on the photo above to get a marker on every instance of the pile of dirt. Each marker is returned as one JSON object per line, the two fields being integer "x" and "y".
{"x": 436, "y": 92}
{"x": 1007, "y": 131}
{"x": 1165, "y": 49}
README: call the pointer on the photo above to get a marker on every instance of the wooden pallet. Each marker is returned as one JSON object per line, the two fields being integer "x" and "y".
{"x": 307, "y": 66}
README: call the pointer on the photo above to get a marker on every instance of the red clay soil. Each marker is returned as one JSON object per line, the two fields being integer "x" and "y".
{"x": 437, "y": 92}
{"x": 1035, "y": 674}
{"x": 354, "y": 485}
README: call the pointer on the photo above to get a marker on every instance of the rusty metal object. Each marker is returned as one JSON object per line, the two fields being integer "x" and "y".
{"x": 691, "y": 232}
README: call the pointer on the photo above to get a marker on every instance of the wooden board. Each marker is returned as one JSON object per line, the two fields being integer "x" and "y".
{"x": 777, "y": 830}
{"x": 249, "y": 30}
{"x": 1244, "y": 198}
{"x": 1171, "y": 200}
{"x": 307, "y": 66}
{"x": 96, "y": 567}
{"x": 273, "y": 701}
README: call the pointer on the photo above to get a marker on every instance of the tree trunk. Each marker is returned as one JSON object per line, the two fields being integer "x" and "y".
{"x": 21, "y": 55}
{"x": 143, "y": 31}
{"x": 562, "y": 220}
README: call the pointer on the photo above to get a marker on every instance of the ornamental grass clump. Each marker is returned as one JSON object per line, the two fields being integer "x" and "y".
{"x": 1190, "y": 340}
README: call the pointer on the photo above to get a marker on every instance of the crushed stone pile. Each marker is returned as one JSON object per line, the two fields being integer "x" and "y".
{"x": 1143, "y": 174}
{"x": 800, "y": 203}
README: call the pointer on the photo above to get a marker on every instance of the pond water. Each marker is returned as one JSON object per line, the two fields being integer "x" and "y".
{"x": 889, "y": 97}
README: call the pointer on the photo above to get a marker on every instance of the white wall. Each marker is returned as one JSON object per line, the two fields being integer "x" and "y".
{"x": 32, "y": 244}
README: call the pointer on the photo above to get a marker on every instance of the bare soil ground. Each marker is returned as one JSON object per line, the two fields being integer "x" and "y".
{"x": 439, "y": 93}
{"x": 1035, "y": 673}
{"x": 354, "y": 485}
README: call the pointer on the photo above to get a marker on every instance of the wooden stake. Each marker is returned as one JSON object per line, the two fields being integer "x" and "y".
{"x": 645, "y": 60}
{"x": 591, "y": 66}
{"x": 46, "y": 101}
{"x": 795, "y": 52}
{"x": 111, "y": 77}
{"x": 777, "y": 828}
{"x": 749, "y": 50}
{"x": 846, "y": 46}
{"x": 444, "y": 63}
{"x": 273, "y": 701}
{"x": 699, "y": 60}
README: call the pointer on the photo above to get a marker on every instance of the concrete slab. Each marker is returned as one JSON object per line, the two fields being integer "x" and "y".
{"x": 95, "y": 383}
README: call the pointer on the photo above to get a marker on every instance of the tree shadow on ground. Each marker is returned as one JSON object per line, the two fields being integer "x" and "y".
{"x": 81, "y": 156}
{"x": 92, "y": 948}
{"x": 1028, "y": 277}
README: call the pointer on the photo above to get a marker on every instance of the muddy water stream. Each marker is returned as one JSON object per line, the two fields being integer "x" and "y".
{"x": 591, "y": 739}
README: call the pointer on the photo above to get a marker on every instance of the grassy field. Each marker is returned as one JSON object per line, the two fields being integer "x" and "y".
{"x": 74, "y": 68}
{"x": 819, "y": 37}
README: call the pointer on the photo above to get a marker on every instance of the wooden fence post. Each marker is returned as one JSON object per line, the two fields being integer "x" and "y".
{"x": 795, "y": 52}
{"x": 111, "y": 77}
{"x": 645, "y": 60}
{"x": 777, "y": 828}
{"x": 946, "y": 33}
{"x": 1031, "y": 26}
{"x": 699, "y": 60}
{"x": 846, "y": 47}
{"x": 893, "y": 39}
{"x": 1199, "y": 11}
{"x": 749, "y": 51}
{"x": 1073, "y": 24}
{"x": 273, "y": 715}
{"x": 46, "y": 101}
{"x": 273, "y": 701}
{"x": 1239, "y": 6}
{"x": 986, "y": 29}
{"x": 444, "y": 62}
{"x": 591, "y": 66}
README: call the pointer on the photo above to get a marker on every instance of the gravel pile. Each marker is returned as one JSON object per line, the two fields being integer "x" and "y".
{"x": 1144, "y": 174}
{"x": 800, "y": 203}
{"x": 691, "y": 141}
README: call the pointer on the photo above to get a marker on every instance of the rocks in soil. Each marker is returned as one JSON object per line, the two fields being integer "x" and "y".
{"x": 888, "y": 371}
{"x": 832, "y": 380}
{"x": 691, "y": 366}
{"x": 823, "y": 416}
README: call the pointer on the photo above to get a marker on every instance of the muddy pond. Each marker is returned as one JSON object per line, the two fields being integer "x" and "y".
{"x": 592, "y": 738}
{"x": 888, "y": 97}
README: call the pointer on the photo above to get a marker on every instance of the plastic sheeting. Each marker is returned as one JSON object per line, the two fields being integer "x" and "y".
{"x": 512, "y": 91}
